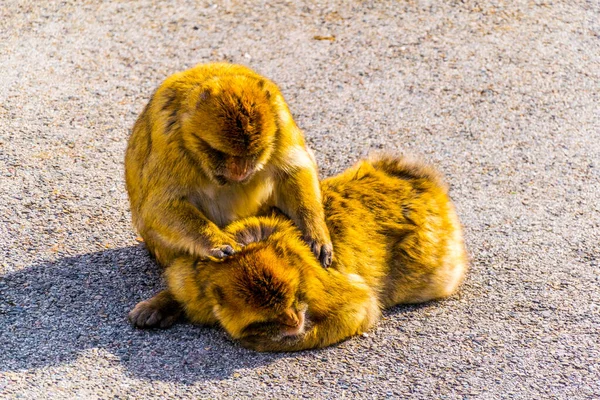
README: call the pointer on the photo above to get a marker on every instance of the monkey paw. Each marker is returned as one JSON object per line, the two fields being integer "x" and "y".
{"x": 221, "y": 251}
{"x": 323, "y": 252}
{"x": 153, "y": 314}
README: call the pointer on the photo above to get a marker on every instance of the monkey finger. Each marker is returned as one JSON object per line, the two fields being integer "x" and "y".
{"x": 143, "y": 315}
{"x": 222, "y": 251}
{"x": 217, "y": 253}
{"x": 147, "y": 315}
{"x": 153, "y": 318}
{"x": 168, "y": 321}
{"x": 239, "y": 246}
{"x": 314, "y": 247}
{"x": 326, "y": 255}
{"x": 323, "y": 252}
{"x": 228, "y": 250}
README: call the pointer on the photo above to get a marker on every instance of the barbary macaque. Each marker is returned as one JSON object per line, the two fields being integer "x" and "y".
{"x": 217, "y": 143}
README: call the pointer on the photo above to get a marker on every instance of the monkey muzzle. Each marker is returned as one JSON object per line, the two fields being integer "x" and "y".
{"x": 293, "y": 321}
{"x": 239, "y": 169}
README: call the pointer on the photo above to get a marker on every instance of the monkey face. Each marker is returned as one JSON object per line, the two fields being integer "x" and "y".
{"x": 258, "y": 297}
{"x": 228, "y": 169}
{"x": 231, "y": 129}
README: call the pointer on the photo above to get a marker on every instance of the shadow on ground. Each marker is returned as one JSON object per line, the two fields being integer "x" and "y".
{"x": 51, "y": 313}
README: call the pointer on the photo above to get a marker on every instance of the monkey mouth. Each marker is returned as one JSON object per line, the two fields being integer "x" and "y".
{"x": 234, "y": 179}
{"x": 223, "y": 180}
{"x": 241, "y": 177}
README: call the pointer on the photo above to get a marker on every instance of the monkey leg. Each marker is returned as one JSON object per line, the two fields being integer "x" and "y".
{"x": 178, "y": 227}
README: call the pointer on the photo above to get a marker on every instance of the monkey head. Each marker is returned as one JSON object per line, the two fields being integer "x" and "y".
{"x": 230, "y": 127}
{"x": 257, "y": 296}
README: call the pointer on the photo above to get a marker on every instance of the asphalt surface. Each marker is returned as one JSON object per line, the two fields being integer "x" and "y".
{"x": 504, "y": 97}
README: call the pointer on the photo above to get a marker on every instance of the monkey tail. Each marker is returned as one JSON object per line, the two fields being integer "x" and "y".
{"x": 407, "y": 167}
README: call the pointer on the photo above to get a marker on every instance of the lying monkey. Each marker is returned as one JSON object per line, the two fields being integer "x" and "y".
{"x": 398, "y": 240}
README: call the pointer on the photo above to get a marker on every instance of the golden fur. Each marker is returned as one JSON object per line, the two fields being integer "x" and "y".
{"x": 397, "y": 239}
{"x": 217, "y": 143}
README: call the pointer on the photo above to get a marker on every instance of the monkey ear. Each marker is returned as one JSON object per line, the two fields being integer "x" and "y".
{"x": 204, "y": 95}
{"x": 255, "y": 230}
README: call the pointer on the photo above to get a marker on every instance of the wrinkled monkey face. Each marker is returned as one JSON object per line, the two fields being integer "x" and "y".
{"x": 232, "y": 130}
{"x": 289, "y": 323}
{"x": 258, "y": 297}
{"x": 228, "y": 169}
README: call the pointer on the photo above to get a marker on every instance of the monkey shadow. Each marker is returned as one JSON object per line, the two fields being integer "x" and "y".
{"x": 53, "y": 313}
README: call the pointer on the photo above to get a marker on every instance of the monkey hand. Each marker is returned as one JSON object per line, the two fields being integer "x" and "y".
{"x": 161, "y": 311}
{"x": 221, "y": 251}
{"x": 323, "y": 250}
{"x": 223, "y": 246}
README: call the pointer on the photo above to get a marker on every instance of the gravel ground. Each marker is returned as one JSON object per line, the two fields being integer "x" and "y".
{"x": 504, "y": 96}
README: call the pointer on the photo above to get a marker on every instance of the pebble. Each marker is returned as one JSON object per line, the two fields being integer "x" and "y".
{"x": 501, "y": 96}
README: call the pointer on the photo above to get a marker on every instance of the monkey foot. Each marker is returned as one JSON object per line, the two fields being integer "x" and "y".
{"x": 161, "y": 311}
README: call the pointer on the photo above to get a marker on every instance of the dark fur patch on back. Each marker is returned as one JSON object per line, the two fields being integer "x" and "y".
{"x": 170, "y": 105}
{"x": 171, "y": 121}
{"x": 219, "y": 294}
{"x": 250, "y": 234}
{"x": 169, "y": 97}
{"x": 148, "y": 139}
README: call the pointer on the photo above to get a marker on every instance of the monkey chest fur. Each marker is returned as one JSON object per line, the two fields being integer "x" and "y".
{"x": 225, "y": 204}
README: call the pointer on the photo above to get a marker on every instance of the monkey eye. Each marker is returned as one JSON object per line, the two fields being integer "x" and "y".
{"x": 217, "y": 153}
{"x": 206, "y": 148}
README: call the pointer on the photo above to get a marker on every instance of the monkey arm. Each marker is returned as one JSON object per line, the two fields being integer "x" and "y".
{"x": 177, "y": 226}
{"x": 320, "y": 335}
{"x": 299, "y": 197}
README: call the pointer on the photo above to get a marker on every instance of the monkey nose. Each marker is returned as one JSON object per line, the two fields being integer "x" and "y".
{"x": 290, "y": 318}
{"x": 295, "y": 324}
